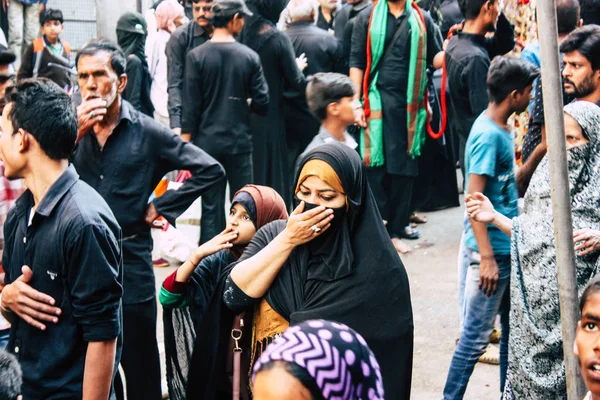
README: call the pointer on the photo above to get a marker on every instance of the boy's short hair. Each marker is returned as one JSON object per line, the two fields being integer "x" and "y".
{"x": 51, "y": 14}
{"x": 470, "y": 9}
{"x": 508, "y": 73}
{"x": 326, "y": 88}
{"x": 221, "y": 20}
{"x": 591, "y": 288}
{"x": 12, "y": 377}
{"x": 43, "y": 109}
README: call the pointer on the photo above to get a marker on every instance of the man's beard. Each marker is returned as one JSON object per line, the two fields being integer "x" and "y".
{"x": 585, "y": 88}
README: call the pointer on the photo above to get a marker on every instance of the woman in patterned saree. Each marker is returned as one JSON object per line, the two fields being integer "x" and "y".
{"x": 535, "y": 365}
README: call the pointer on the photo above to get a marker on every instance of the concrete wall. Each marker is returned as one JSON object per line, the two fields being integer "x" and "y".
{"x": 87, "y": 19}
{"x": 107, "y": 14}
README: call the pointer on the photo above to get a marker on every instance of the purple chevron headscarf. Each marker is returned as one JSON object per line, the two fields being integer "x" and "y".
{"x": 336, "y": 357}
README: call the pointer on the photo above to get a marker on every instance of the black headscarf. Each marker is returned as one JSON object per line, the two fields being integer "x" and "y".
{"x": 132, "y": 31}
{"x": 262, "y": 25}
{"x": 372, "y": 297}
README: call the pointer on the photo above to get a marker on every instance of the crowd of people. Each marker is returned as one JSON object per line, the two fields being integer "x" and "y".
{"x": 319, "y": 119}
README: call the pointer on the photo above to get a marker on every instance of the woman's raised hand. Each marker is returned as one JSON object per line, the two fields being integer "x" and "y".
{"x": 479, "y": 207}
{"x": 302, "y": 226}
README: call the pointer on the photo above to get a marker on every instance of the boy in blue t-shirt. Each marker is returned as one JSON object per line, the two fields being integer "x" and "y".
{"x": 490, "y": 168}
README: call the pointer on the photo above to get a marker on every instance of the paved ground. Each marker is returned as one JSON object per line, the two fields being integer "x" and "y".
{"x": 432, "y": 272}
{"x": 433, "y": 279}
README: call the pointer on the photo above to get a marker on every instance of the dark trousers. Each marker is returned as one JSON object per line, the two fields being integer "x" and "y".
{"x": 238, "y": 168}
{"x": 393, "y": 196}
{"x": 140, "y": 359}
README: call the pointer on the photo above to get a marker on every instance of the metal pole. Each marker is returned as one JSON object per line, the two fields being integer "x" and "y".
{"x": 561, "y": 200}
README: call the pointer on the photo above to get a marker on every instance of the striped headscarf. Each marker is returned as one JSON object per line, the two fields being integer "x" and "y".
{"x": 336, "y": 357}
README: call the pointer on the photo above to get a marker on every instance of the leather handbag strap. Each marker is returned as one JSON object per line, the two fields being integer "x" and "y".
{"x": 236, "y": 335}
{"x": 236, "y": 374}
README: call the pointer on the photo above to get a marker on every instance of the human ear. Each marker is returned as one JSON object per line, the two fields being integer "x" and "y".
{"x": 333, "y": 108}
{"x": 575, "y": 348}
{"x": 121, "y": 83}
{"x": 24, "y": 140}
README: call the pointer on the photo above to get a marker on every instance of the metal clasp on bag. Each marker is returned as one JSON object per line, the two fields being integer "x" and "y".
{"x": 236, "y": 335}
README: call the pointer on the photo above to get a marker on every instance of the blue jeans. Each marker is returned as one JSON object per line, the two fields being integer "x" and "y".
{"x": 478, "y": 325}
{"x": 4, "y": 334}
{"x": 465, "y": 258}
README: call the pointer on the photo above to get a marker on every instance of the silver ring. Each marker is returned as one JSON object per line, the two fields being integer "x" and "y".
{"x": 92, "y": 115}
{"x": 315, "y": 229}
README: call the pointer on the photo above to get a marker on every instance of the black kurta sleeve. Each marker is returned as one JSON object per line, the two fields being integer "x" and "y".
{"x": 259, "y": 90}
{"x": 358, "y": 51}
{"x": 94, "y": 271}
{"x": 434, "y": 39}
{"x": 340, "y": 21}
{"x": 475, "y": 74}
{"x": 292, "y": 76}
{"x": 175, "y": 154}
{"x": 192, "y": 98}
{"x": 133, "y": 91}
{"x": 343, "y": 49}
{"x": 175, "y": 52}
{"x": 503, "y": 40}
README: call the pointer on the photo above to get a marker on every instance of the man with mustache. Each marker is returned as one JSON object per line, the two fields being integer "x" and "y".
{"x": 581, "y": 81}
{"x": 568, "y": 18}
{"x": 123, "y": 154}
{"x": 182, "y": 41}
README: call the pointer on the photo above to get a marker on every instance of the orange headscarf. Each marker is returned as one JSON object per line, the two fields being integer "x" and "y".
{"x": 323, "y": 171}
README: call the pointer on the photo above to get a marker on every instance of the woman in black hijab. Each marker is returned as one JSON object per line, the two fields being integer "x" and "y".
{"x": 332, "y": 259}
{"x": 132, "y": 31}
{"x": 278, "y": 60}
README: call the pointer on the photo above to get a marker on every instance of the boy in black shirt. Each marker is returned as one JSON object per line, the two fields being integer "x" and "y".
{"x": 225, "y": 82}
{"x": 62, "y": 254}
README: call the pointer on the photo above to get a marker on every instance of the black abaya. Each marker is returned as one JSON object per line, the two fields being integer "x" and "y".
{"x": 367, "y": 290}
{"x": 279, "y": 66}
{"x": 436, "y": 187}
